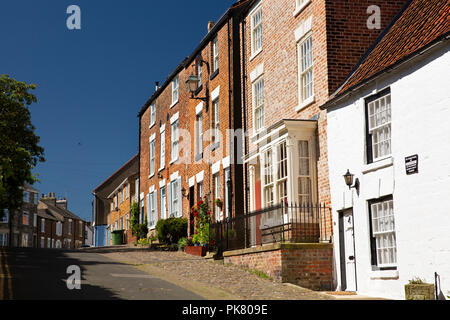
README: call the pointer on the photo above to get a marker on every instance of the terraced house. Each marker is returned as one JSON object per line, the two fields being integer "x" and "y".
{"x": 113, "y": 200}
{"x": 186, "y": 149}
{"x": 295, "y": 54}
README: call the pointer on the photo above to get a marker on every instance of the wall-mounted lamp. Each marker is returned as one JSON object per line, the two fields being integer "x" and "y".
{"x": 192, "y": 84}
{"x": 348, "y": 177}
{"x": 183, "y": 193}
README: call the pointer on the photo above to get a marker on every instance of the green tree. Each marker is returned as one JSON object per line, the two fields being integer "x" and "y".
{"x": 19, "y": 149}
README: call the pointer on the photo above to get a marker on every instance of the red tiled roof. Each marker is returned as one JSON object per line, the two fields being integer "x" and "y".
{"x": 421, "y": 23}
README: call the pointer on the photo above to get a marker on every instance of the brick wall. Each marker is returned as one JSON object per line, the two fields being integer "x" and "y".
{"x": 307, "y": 265}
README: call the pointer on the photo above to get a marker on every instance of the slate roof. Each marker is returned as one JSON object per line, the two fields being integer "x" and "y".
{"x": 421, "y": 24}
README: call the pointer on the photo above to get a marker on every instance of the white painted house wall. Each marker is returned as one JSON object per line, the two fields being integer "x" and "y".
{"x": 420, "y": 104}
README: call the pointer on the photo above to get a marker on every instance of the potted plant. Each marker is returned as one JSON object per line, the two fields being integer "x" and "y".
{"x": 219, "y": 203}
{"x": 417, "y": 289}
{"x": 182, "y": 243}
{"x": 202, "y": 218}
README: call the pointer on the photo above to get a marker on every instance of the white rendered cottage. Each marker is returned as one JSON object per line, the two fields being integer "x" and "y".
{"x": 389, "y": 126}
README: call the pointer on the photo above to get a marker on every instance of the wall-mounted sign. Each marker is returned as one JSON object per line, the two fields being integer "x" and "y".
{"x": 412, "y": 164}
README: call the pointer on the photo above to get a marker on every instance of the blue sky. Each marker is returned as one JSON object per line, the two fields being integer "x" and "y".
{"x": 92, "y": 82}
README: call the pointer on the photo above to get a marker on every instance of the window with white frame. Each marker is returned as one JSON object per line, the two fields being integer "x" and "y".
{"x": 227, "y": 175}
{"x": 257, "y": 30}
{"x": 128, "y": 190}
{"x": 383, "y": 240}
{"x": 152, "y": 157}
{"x": 152, "y": 211}
{"x": 216, "y": 180}
{"x": 258, "y": 103}
{"x": 199, "y": 133}
{"x": 304, "y": 173}
{"x": 200, "y": 191}
{"x": 4, "y": 218}
{"x": 152, "y": 114}
{"x": 216, "y": 120}
{"x": 58, "y": 228}
{"x": 199, "y": 71}
{"x": 42, "y": 225}
{"x": 162, "y": 153}
{"x": 49, "y": 243}
{"x": 282, "y": 174}
{"x": 379, "y": 126}
{"x": 3, "y": 239}
{"x": 42, "y": 242}
{"x": 35, "y": 220}
{"x": 215, "y": 54}
{"x": 36, "y": 198}
{"x": 175, "y": 89}
{"x": 268, "y": 179}
{"x": 174, "y": 141}
{"x": 162, "y": 196}
{"x": 306, "y": 69}
{"x": 69, "y": 226}
{"x": 175, "y": 198}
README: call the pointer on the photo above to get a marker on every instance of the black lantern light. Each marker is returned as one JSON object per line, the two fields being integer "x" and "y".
{"x": 348, "y": 177}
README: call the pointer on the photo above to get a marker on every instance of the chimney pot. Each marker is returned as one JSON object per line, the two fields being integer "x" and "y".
{"x": 210, "y": 25}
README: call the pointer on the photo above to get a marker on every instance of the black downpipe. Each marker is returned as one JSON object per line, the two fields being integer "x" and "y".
{"x": 244, "y": 112}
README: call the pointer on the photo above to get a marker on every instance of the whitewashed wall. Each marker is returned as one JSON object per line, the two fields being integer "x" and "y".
{"x": 420, "y": 94}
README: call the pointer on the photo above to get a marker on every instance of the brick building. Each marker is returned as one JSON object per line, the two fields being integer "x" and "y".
{"x": 113, "y": 201}
{"x": 186, "y": 150}
{"x": 57, "y": 227}
{"x": 23, "y": 222}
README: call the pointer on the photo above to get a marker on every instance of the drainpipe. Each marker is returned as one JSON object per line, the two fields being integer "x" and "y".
{"x": 244, "y": 109}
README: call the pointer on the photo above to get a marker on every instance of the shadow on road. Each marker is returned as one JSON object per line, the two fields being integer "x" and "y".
{"x": 41, "y": 274}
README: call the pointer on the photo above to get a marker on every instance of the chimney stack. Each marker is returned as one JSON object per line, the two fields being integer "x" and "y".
{"x": 211, "y": 25}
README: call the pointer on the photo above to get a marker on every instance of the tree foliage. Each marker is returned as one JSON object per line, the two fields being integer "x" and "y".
{"x": 19, "y": 149}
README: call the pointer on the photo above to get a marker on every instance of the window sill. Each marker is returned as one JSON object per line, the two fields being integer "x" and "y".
{"x": 173, "y": 161}
{"x": 253, "y": 56}
{"x": 305, "y": 104}
{"x": 173, "y": 104}
{"x": 215, "y": 146}
{"x": 151, "y": 176}
{"x": 301, "y": 8}
{"x": 198, "y": 157}
{"x": 152, "y": 125}
{"x": 161, "y": 169}
{"x": 379, "y": 164}
{"x": 384, "y": 275}
{"x": 215, "y": 73}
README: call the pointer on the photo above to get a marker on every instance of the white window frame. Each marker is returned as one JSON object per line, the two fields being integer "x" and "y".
{"x": 300, "y": 5}
{"x": 27, "y": 215}
{"x": 216, "y": 121}
{"x": 268, "y": 178}
{"x": 305, "y": 67}
{"x": 80, "y": 225}
{"x": 162, "y": 201}
{"x": 199, "y": 133}
{"x": 175, "y": 90}
{"x": 256, "y": 31}
{"x": 152, "y": 157}
{"x": 152, "y": 114}
{"x": 69, "y": 227}
{"x": 199, "y": 71}
{"x": 162, "y": 153}
{"x": 174, "y": 137}
{"x": 59, "y": 228}
{"x": 43, "y": 225}
{"x": 379, "y": 120}
{"x": 26, "y": 197}
{"x": 309, "y": 175}
{"x": 383, "y": 226}
{"x": 215, "y": 54}
{"x": 281, "y": 181}
{"x": 258, "y": 104}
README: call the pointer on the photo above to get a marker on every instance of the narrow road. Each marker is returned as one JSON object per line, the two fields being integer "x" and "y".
{"x": 41, "y": 274}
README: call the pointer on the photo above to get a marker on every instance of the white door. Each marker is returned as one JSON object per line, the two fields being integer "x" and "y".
{"x": 349, "y": 251}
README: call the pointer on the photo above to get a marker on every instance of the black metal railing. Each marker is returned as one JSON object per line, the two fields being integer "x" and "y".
{"x": 305, "y": 223}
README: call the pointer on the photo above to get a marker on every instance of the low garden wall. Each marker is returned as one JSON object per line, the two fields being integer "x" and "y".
{"x": 308, "y": 265}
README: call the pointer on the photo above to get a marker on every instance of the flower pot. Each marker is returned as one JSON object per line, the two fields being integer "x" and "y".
{"x": 196, "y": 250}
{"x": 423, "y": 291}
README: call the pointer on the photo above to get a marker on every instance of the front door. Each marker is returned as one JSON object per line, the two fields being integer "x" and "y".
{"x": 347, "y": 251}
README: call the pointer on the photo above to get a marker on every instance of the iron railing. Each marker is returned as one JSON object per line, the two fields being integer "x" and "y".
{"x": 305, "y": 223}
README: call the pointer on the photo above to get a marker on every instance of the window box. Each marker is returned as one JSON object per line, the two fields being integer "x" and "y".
{"x": 196, "y": 250}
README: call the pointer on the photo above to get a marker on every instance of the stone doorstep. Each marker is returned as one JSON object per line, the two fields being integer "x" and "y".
{"x": 277, "y": 246}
